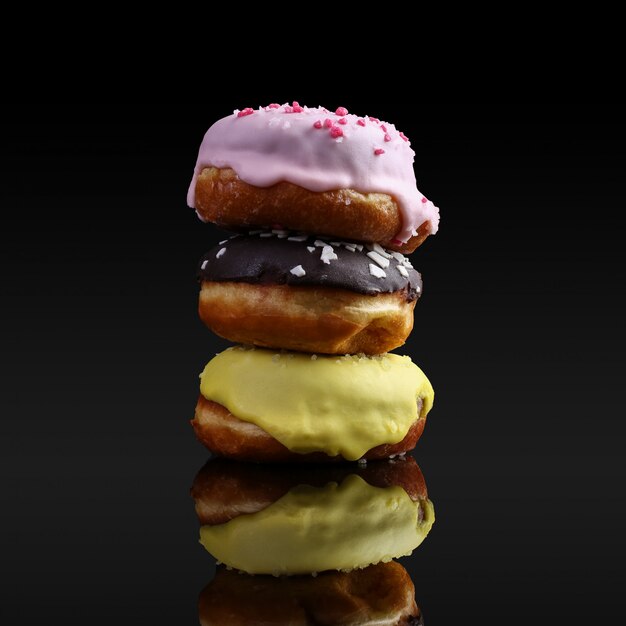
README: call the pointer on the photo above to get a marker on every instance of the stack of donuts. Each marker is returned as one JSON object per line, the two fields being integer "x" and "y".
{"x": 312, "y": 284}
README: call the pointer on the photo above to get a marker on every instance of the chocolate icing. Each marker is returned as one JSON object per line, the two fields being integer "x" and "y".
{"x": 267, "y": 260}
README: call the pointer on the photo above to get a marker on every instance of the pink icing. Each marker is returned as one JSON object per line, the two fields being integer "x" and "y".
{"x": 281, "y": 143}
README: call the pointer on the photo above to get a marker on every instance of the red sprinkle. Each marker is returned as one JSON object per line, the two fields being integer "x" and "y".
{"x": 296, "y": 107}
{"x": 379, "y": 151}
{"x": 404, "y": 136}
{"x": 328, "y": 123}
{"x": 274, "y": 106}
{"x": 317, "y": 124}
{"x": 360, "y": 122}
{"x": 424, "y": 201}
{"x": 341, "y": 111}
{"x": 396, "y": 241}
{"x": 383, "y": 128}
{"x": 387, "y": 137}
{"x": 373, "y": 119}
{"x": 335, "y": 131}
{"x": 342, "y": 120}
{"x": 246, "y": 111}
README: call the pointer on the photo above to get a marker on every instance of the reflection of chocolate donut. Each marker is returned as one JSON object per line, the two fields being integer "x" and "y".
{"x": 312, "y": 170}
{"x": 298, "y": 292}
{"x": 262, "y": 405}
{"x": 343, "y": 517}
{"x": 379, "y": 594}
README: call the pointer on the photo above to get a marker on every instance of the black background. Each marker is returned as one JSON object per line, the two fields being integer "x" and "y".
{"x": 520, "y": 330}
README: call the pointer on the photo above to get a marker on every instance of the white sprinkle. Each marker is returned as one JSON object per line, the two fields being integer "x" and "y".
{"x": 235, "y": 111}
{"x": 381, "y": 260}
{"x": 376, "y": 271}
{"x": 398, "y": 256}
{"x": 280, "y": 231}
{"x": 221, "y": 252}
{"x": 314, "y": 357}
{"x": 378, "y": 248}
{"x": 348, "y": 201}
{"x": 335, "y": 244}
{"x": 255, "y": 232}
{"x": 266, "y": 235}
{"x": 203, "y": 264}
{"x": 339, "y": 140}
{"x": 311, "y": 248}
{"x": 328, "y": 255}
{"x": 351, "y": 247}
{"x": 298, "y": 238}
{"x": 403, "y": 271}
{"x": 418, "y": 288}
{"x": 298, "y": 270}
{"x": 359, "y": 247}
{"x": 414, "y": 233}
{"x": 233, "y": 236}
{"x": 362, "y": 461}
{"x": 319, "y": 243}
{"x": 223, "y": 242}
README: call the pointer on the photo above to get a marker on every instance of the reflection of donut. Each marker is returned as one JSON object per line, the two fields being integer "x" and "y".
{"x": 262, "y": 405}
{"x": 342, "y": 517}
{"x": 224, "y": 489}
{"x": 312, "y": 170}
{"x": 377, "y": 595}
{"x": 298, "y": 292}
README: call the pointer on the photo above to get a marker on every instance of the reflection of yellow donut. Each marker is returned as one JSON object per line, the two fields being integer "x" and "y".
{"x": 339, "y": 517}
{"x": 341, "y": 527}
{"x": 378, "y": 595}
{"x": 339, "y": 406}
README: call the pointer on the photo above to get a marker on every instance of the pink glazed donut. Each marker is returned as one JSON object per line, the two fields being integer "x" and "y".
{"x": 315, "y": 171}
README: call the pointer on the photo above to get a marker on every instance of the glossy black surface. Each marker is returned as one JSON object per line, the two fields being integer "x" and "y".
{"x": 521, "y": 332}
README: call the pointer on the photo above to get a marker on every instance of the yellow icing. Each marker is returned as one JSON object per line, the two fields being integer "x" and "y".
{"x": 339, "y": 405}
{"x": 311, "y": 529}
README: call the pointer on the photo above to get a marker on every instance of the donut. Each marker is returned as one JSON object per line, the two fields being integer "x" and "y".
{"x": 312, "y": 170}
{"x": 346, "y": 518}
{"x": 261, "y": 405}
{"x": 223, "y": 488}
{"x": 378, "y": 595}
{"x": 279, "y": 289}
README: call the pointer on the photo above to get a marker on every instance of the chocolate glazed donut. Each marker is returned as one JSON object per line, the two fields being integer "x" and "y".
{"x": 279, "y": 289}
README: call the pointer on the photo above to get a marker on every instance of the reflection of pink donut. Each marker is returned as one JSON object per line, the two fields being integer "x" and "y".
{"x": 312, "y": 170}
